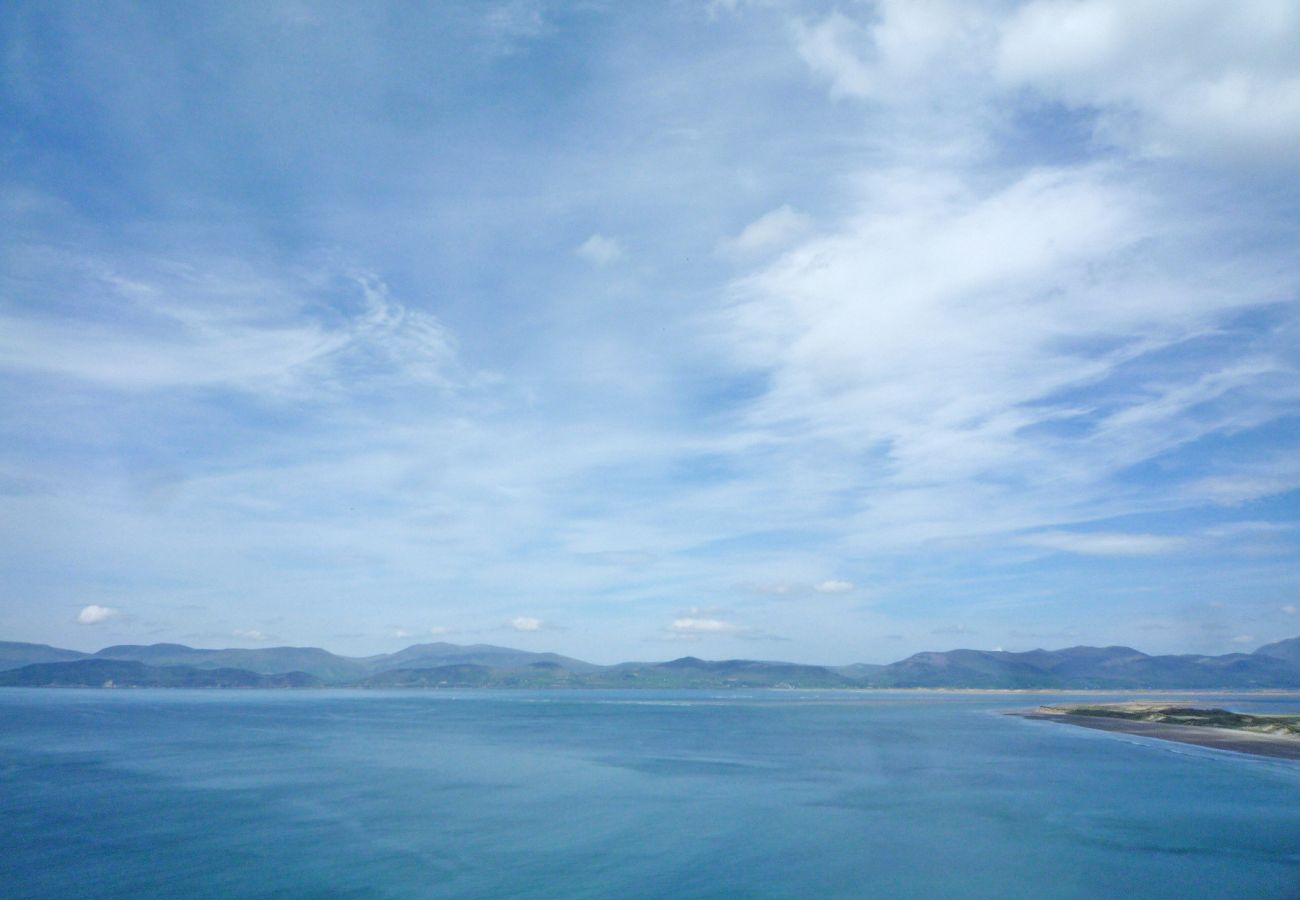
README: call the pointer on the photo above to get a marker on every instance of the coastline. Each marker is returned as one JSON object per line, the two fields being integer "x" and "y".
{"x": 1007, "y": 692}
{"x": 1250, "y": 742}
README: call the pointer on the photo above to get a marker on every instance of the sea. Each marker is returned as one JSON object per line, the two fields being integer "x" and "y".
{"x": 613, "y": 794}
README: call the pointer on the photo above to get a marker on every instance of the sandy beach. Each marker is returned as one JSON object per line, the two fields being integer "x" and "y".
{"x": 1270, "y": 745}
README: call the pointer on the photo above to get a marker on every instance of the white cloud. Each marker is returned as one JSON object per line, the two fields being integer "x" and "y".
{"x": 526, "y": 623}
{"x": 770, "y": 231}
{"x": 250, "y": 634}
{"x": 1197, "y": 78}
{"x": 699, "y": 623}
{"x": 795, "y": 588}
{"x": 695, "y": 625}
{"x": 1105, "y": 544}
{"x": 941, "y": 331}
{"x": 1244, "y": 639}
{"x": 600, "y": 250}
{"x": 831, "y": 48}
{"x": 906, "y": 48}
{"x": 1290, "y": 609}
{"x": 1232, "y": 530}
{"x": 1194, "y": 77}
{"x": 1233, "y": 488}
{"x": 437, "y": 630}
{"x": 95, "y": 614}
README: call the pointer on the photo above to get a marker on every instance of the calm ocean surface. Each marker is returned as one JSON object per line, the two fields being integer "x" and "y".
{"x": 619, "y": 794}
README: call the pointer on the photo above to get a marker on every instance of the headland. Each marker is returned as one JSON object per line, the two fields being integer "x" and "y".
{"x": 1277, "y": 737}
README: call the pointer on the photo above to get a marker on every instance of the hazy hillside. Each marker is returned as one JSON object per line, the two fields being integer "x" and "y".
{"x": 420, "y": 656}
{"x": 14, "y": 654}
{"x": 264, "y": 660}
{"x": 1288, "y": 650}
{"x": 129, "y": 673}
{"x": 483, "y": 665}
{"x": 1085, "y": 667}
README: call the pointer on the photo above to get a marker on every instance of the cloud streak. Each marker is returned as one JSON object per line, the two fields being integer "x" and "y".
{"x": 1104, "y": 544}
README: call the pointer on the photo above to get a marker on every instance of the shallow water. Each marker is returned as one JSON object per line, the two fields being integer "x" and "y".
{"x": 623, "y": 794}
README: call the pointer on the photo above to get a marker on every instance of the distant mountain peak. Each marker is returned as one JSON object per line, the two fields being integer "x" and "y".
{"x": 1288, "y": 649}
{"x": 442, "y": 664}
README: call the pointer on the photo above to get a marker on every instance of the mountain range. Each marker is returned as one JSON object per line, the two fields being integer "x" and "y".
{"x": 1273, "y": 666}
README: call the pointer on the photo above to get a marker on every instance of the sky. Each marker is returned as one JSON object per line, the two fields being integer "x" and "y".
{"x": 827, "y": 332}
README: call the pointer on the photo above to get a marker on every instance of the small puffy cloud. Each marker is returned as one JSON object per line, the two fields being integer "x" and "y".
{"x": 401, "y": 633}
{"x": 1105, "y": 544}
{"x": 439, "y": 629}
{"x": 833, "y": 586}
{"x": 600, "y": 250}
{"x": 526, "y": 623}
{"x": 1244, "y": 639}
{"x": 94, "y": 614}
{"x": 769, "y": 231}
{"x": 1290, "y": 609}
{"x": 250, "y": 634}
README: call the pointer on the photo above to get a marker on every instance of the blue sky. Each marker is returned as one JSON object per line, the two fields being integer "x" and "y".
{"x": 824, "y": 332}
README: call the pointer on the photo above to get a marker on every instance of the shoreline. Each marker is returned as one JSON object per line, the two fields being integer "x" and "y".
{"x": 1099, "y": 692}
{"x": 1253, "y": 743}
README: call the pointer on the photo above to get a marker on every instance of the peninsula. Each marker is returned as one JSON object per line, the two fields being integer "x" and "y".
{"x": 1273, "y": 736}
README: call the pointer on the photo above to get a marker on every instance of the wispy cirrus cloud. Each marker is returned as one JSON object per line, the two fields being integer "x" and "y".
{"x": 171, "y": 326}
{"x": 981, "y": 345}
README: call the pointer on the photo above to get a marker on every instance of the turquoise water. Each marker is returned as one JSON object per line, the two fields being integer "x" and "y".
{"x": 617, "y": 794}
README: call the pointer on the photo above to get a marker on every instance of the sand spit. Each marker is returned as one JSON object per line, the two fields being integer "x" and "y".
{"x": 1274, "y": 746}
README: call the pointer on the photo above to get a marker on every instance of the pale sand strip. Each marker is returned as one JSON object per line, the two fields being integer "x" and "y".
{"x": 1271, "y": 745}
